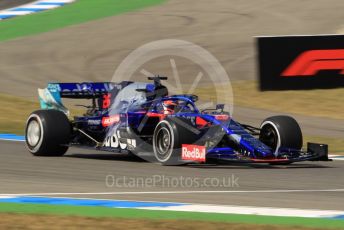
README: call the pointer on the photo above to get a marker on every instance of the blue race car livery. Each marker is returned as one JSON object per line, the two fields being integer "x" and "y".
{"x": 144, "y": 120}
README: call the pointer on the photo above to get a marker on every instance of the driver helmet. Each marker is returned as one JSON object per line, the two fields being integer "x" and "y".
{"x": 169, "y": 106}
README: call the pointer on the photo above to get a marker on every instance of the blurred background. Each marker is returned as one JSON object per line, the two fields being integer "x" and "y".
{"x": 86, "y": 40}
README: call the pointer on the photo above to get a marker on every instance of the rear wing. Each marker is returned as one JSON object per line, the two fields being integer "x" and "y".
{"x": 81, "y": 90}
{"x": 51, "y": 97}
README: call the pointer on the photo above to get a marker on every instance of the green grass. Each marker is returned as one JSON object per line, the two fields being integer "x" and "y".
{"x": 168, "y": 215}
{"x": 75, "y": 13}
{"x": 13, "y": 118}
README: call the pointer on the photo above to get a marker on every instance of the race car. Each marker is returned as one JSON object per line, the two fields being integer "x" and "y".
{"x": 141, "y": 118}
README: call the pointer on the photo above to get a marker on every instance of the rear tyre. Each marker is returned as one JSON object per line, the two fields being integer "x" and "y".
{"x": 281, "y": 132}
{"x": 47, "y": 133}
{"x": 168, "y": 137}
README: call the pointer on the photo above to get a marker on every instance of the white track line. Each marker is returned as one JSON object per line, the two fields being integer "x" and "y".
{"x": 225, "y": 209}
{"x": 32, "y": 7}
{"x": 43, "y": 7}
{"x": 176, "y": 192}
{"x": 337, "y": 157}
{"x": 251, "y": 210}
{"x": 4, "y": 139}
{"x": 6, "y": 197}
{"x": 15, "y": 13}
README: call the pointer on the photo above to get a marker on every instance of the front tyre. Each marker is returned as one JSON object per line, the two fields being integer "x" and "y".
{"x": 47, "y": 133}
{"x": 281, "y": 132}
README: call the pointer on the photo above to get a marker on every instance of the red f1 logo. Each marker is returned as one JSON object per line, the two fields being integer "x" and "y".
{"x": 309, "y": 63}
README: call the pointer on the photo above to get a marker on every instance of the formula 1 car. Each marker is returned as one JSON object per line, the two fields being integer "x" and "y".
{"x": 143, "y": 119}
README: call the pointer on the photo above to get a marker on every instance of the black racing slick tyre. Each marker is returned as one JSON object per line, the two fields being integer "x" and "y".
{"x": 168, "y": 137}
{"x": 281, "y": 132}
{"x": 47, "y": 133}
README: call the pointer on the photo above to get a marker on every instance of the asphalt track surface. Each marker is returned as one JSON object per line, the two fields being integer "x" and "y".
{"x": 5, "y": 4}
{"x": 92, "y": 51}
{"x": 81, "y": 171}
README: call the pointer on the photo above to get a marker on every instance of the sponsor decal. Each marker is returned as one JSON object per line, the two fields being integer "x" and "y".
{"x": 94, "y": 122}
{"x": 80, "y": 89}
{"x": 131, "y": 142}
{"x": 193, "y": 153}
{"x": 52, "y": 87}
{"x": 158, "y": 115}
{"x": 113, "y": 141}
{"x": 222, "y": 117}
{"x": 309, "y": 63}
{"x": 107, "y": 121}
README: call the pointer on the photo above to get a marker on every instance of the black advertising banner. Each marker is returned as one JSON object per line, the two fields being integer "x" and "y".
{"x": 301, "y": 62}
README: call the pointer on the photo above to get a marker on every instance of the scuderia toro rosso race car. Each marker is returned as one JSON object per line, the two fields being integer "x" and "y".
{"x": 144, "y": 120}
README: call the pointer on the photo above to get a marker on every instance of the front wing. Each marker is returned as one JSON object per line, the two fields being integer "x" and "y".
{"x": 315, "y": 152}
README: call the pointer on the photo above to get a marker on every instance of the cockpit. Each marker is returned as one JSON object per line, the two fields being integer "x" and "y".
{"x": 175, "y": 105}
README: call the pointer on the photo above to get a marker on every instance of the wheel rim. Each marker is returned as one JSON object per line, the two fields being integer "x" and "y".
{"x": 269, "y": 136}
{"x": 163, "y": 143}
{"x": 33, "y": 133}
